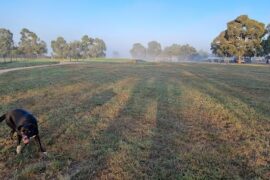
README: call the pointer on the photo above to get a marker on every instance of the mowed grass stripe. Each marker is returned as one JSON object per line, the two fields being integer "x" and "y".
{"x": 218, "y": 133}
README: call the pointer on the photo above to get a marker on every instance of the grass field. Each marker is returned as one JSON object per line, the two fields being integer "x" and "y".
{"x": 36, "y": 62}
{"x": 141, "y": 121}
{"x": 25, "y": 63}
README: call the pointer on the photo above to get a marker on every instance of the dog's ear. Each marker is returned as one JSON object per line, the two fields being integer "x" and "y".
{"x": 20, "y": 127}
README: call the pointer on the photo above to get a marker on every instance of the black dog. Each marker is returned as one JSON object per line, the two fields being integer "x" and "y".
{"x": 25, "y": 124}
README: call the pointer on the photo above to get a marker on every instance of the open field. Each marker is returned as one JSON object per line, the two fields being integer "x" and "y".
{"x": 141, "y": 121}
{"x": 25, "y": 63}
{"x": 37, "y": 62}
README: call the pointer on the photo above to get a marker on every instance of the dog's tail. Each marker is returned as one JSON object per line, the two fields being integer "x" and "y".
{"x": 3, "y": 117}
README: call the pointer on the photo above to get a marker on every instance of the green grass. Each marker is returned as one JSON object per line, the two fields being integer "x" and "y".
{"x": 26, "y": 63}
{"x": 141, "y": 121}
{"x": 123, "y": 60}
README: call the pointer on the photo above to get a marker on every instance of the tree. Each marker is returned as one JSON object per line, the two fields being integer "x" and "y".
{"x": 86, "y": 45}
{"x": 172, "y": 51}
{"x": 138, "y": 51}
{"x": 154, "y": 49}
{"x": 75, "y": 50}
{"x": 41, "y": 48}
{"x": 222, "y": 47}
{"x": 266, "y": 42}
{"x": 241, "y": 38}
{"x": 179, "y": 52}
{"x": 15, "y": 52}
{"x": 6, "y": 42}
{"x": 30, "y": 44}
{"x": 98, "y": 49}
{"x": 60, "y": 48}
{"x": 187, "y": 52}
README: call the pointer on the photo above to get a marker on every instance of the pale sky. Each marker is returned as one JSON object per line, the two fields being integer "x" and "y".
{"x": 120, "y": 23}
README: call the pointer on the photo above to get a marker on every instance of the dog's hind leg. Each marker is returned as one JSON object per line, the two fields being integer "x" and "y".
{"x": 19, "y": 147}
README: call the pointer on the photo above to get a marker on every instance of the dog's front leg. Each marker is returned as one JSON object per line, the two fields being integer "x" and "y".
{"x": 39, "y": 143}
{"x": 19, "y": 147}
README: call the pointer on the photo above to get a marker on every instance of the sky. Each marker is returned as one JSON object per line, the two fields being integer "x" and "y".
{"x": 121, "y": 23}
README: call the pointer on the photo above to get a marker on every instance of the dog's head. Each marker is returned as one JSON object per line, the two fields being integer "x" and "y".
{"x": 28, "y": 131}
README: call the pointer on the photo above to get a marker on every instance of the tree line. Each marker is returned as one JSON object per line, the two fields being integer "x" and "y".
{"x": 87, "y": 47}
{"x": 244, "y": 37}
{"x": 31, "y": 46}
{"x": 175, "y": 52}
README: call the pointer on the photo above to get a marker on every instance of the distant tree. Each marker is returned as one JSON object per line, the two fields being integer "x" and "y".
{"x": 41, "y": 48}
{"x": 138, "y": 51}
{"x": 6, "y": 42}
{"x": 86, "y": 46}
{"x": 187, "y": 52}
{"x": 172, "y": 51}
{"x": 180, "y": 52}
{"x": 98, "y": 49}
{"x": 116, "y": 54}
{"x": 153, "y": 50}
{"x": 241, "y": 38}
{"x": 30, "y": 44}
{"x": 15, "y": 52}
{"x": 75, "y": 50}
{"x": 60, "y": 48}
{"x": 266, "y": 42}
{"x": 200, "y": 55}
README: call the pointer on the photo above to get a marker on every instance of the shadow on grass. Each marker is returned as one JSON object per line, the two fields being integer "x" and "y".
{"x": 71, "y": 120}
{"x": 54, "y": 136}
{"x": 164, "y": 159}
{"x": 114, "y": 152}
{"x": 230, "y": 98}
{"x": 226, "y": 87}
{"x": 239, "y": 158}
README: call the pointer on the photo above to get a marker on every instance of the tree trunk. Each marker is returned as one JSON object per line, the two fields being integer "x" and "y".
{"x": 239, "y": 60}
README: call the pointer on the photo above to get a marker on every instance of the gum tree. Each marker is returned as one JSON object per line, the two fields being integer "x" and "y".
{"x": 154, "y": 49}
{"x": 30, "y": 44}
{"x": 138, "y": 51}
{"x": 266, "y": 42}
{"x": 60, "y": 48}
{"x": 6, "y": 43}
{"x": 242, "y": 37}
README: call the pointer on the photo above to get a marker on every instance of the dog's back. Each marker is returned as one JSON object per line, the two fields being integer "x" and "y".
{"x": 21, "y": 117}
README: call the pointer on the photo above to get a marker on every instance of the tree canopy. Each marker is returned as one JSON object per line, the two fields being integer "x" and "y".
{"x": 60, "y": 48}
{"x": 6, "y": 42}
{"x": 266, "y": 42}
{"x": 153, "y": 50}
{"x": 87, "y": 47}
{"x": 30, "y": 44}
{"x": 241, "y": 38}
{"x": 138, "y": 51}
{"x": 179, "y": 52}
